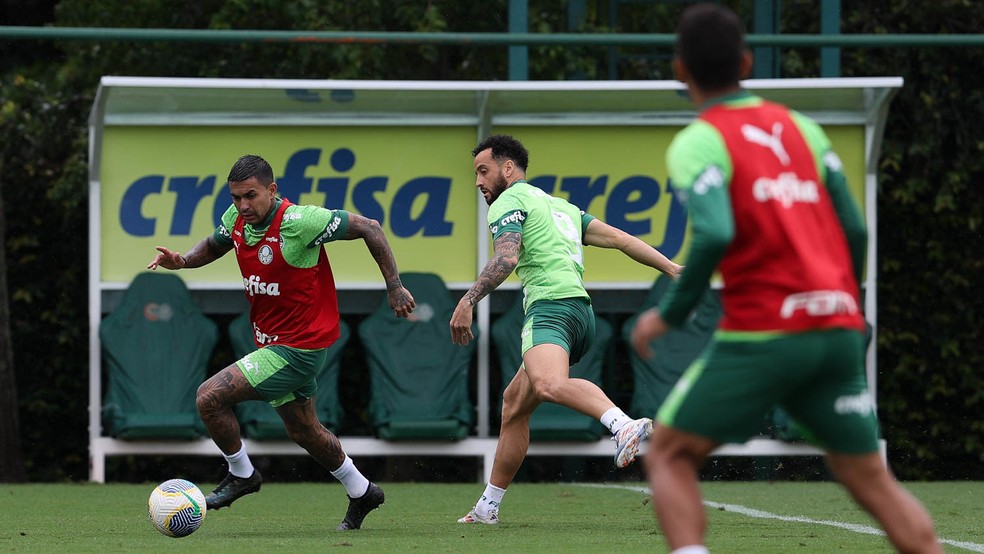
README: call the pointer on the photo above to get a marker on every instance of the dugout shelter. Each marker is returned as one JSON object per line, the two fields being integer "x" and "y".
{"x": 399, "y": 152}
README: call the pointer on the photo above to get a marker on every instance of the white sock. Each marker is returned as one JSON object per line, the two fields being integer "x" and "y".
{"x": 239, "y": 463}
{"x": 351, "y": 478}
{"x": 614, "y": 419}
{"x": 490, "y": 500}
{"x": 692, "y": 549}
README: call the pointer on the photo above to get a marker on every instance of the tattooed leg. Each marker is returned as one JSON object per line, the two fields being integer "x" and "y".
{"x": 215, "y": 400}
{"x": 304, "y": 429}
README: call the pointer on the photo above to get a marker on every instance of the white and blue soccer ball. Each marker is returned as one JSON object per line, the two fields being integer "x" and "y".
{"x": 177, "y": 508}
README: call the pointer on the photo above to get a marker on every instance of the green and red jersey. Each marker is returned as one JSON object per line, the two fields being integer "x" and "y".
{"x": 287, "y": 278}
{"x": 770, "y": 210}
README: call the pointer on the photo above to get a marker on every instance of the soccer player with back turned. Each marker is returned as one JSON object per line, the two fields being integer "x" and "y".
{"x": 542, "y": 237}
{"x": 770, "y": 210}
{"x": 294, "y": 312}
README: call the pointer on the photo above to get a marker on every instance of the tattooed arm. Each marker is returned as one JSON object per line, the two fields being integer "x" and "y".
{"x": 360, "y": 227}
{"x": 502, "y": 264}
{"x": 205, "y": 252}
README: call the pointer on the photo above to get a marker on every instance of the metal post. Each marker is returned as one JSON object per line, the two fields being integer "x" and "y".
{"x": 576, "y": 13}
{"x": 519, "y": 55}
{"x": 765, "y": 20}
{"x": 613, "y": 50}
{"x": 830, "y": 14}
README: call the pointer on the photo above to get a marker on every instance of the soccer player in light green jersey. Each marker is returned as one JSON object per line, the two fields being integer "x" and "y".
{"x": 542, "y": 237}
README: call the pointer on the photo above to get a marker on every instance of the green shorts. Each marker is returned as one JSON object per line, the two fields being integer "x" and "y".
{"x": 568, "y": 322}
{"x": 817, "y": 377}
{"x": 282, "y": 374}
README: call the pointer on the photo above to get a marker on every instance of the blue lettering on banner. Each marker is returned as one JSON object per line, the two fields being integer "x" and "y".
{"x": 292, "y": 184}
{"x": 620, "y": 204}
{"x": 364, "y": 199}
{"x": 632, "y": 195}
{"x": 431, "y": 220}
{"x": 418, "y": 207}
{"x": 335, "y": 188}
{"x": 131, "y": 218}
{"x": 190, "y": 192}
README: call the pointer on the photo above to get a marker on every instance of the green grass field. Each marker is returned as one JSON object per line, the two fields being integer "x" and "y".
{"x": 759, "y": 517}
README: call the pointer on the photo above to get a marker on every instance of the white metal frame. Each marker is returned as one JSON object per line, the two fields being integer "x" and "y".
{"x": 878, "y": 92}
{"x": 483, "y": 448}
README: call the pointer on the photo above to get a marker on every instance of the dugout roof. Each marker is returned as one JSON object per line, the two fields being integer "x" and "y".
{"x": 190, "y": 101}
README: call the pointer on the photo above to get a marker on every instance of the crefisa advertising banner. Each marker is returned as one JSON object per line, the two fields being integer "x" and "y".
{"x": 167, "y": 186}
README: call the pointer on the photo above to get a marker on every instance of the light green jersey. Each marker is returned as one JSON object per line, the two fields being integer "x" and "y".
{"x": 303, "y": 229}
{"x": 551, "y": 256}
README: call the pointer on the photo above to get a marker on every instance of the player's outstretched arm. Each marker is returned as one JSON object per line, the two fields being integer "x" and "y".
{"x": 502, "y": 264}
{"x": 360, "y": 227}
{"x": 604, "y": 235}
{"x": 205, "y": 252}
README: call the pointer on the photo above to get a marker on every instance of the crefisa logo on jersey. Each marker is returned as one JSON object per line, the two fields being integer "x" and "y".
{"x": 329, "y": 231}
{"x": 515, "y": 217}
{"x": 265, "y": 254}
{"x": 253, "y": 286}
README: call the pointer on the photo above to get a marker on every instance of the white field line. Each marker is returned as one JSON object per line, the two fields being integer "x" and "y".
{"x": 752, "y": 512}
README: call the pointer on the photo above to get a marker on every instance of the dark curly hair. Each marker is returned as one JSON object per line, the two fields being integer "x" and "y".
{"x": 505, "y": 147}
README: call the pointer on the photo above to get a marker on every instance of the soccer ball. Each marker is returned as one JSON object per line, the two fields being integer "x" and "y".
{"x": 177, "y": 507}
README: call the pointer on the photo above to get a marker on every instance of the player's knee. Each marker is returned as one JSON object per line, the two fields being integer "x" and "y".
{"x": 859, "y": 473}
{"x": 205, "y": 400}
{"x": 547, "y": 390}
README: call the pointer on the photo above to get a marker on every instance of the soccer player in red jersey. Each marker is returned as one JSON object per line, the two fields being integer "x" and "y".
{"x": 294, "y": 312}
{"x": 770, "y": 210}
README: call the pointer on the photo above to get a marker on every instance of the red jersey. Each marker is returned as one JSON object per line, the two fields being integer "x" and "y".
{"x": 789, "y": 266}
{"x": 291, "y": 306}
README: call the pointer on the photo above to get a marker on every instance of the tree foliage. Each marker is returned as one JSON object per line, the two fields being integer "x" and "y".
{"x": 43, "y": 140}
{"x": 931, "y": 229}
{"x": 930, "y": 208}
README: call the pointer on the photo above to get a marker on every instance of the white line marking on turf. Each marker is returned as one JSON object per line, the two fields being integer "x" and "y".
{"x": 752, "y": 512}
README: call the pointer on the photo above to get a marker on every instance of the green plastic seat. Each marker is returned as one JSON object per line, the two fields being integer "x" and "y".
{"x": 672, "y": 353}
{"x": 419, "y": 378}
{"x": 155, "y": 348}
{"x": 257, "y": 419}
{"x": 552, "y": 421}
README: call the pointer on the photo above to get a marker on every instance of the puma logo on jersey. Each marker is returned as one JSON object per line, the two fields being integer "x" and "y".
{"x": 772, "y": 141}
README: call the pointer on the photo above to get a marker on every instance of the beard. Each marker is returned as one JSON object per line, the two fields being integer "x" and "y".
{"x": 498, "y": 186}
